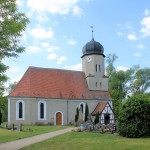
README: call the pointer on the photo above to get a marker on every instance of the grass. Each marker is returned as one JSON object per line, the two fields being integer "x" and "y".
{"x": 91, "y": 141}
{"x": 28, "y": 131}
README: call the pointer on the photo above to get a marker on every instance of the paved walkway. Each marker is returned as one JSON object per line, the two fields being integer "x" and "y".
{"x": 15, "y": 145}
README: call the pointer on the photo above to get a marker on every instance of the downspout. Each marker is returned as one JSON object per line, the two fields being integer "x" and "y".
{"x": 8, "y": 110}
{"x": 67, "y": 112}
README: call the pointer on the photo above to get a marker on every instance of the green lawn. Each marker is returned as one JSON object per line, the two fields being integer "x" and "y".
{"x": 8, "y": 135}
{"x": 91, "y": 141}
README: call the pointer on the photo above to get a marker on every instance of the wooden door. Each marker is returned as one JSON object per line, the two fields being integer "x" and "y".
{"x": 59, "y": 118}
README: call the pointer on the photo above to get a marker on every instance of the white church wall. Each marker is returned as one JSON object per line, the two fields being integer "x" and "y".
{"x": 67, "y": 107}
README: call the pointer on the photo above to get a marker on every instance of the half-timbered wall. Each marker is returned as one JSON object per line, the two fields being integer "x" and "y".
{"x": 107, "y": 111}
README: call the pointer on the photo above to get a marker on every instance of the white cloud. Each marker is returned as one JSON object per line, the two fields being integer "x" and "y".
{"x": 52, "y": 48}
{"x": 140, "y": 46}
{"x": 42, "y": 17}
{"x": 29, "y": 14}
{"x": 137, "y": 55}
{"x": 24, "y": 36}
{"x": 77, "y": 11}
{"x": 17, "y": 79}
{"x": 52, "y": 56}
{"x": 45, "y": 45}
{"x": 14, "y": 69}
{"x": 122, "y": 68}
{"x": 42, "y": 33}
{"x": 72, "y": 42}
{"x": 49, "y": 48}
{"x": 61, "y": 7}
{"x": 146, "y": 12}
{"x": 19, "y": 3}
{"x": 33, "y": 49}
{"x": 120, "y": 33}
{"x": 61, "y": 59}
{"x": 77, "y": 67}
{"x": 146, "y": 26}
{"x": 131, "y": 37}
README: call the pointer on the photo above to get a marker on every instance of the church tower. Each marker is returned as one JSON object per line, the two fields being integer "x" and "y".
{"x": 94, "y": 67}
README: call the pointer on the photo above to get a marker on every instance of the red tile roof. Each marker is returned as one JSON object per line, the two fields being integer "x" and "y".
{"x": 55, "y": 83}
{"x": 99, "y": 108}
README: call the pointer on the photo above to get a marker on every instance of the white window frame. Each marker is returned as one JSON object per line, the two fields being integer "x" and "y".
{"x": 82, "y": 103}
{"x": 39, "y": 103}
{"x": 17, "y": 110}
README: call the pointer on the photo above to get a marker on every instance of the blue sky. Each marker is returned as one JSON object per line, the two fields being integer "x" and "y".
{"x": 58, "y": 30}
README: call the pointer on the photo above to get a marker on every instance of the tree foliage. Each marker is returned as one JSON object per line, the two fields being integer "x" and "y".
{"x": 96, "y": 120}
{"x": 142, "y": 81}
{"x": 121, "y": 83}
{"x": 3, "y": 77}
{"x": 11, "y": 87}
{"x": 3, "y": 108}
{"x": 110, "y": 59}
{"x": 77, "y": 114}
{"x": 134, "y": 118}
{"x": 12, "y": 24}
{"x": 86, "y": 112}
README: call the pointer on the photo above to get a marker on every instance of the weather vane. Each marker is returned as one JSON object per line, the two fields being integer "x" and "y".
{"x": 92, "y": 31}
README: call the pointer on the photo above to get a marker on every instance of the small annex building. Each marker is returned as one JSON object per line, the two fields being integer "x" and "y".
{"x": 51, "y": 96}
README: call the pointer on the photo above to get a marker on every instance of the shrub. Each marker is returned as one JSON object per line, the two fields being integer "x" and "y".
{"x": 77, "y": 114}
{"x": 96, "y": 120}
{"x": 134, "y": 117}
{"x": 86, "y": 112}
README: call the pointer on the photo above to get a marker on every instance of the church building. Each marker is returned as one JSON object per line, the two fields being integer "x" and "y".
{"x": 51, "y": 96}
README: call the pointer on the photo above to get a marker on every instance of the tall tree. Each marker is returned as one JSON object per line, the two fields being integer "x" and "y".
{"x": 3, "y": 77}
{"x": 77, "y": 114}
{"x": 3, "y": 108}
{"x": 120, "y": 84}
{"x": 12, "y": 24}
{"x": 142, "y": 81}
{"x": 86, "y": 112}
{"x": 110, "y": 59}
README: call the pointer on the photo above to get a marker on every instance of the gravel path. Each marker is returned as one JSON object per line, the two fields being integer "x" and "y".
{"x": 15, "y": 145}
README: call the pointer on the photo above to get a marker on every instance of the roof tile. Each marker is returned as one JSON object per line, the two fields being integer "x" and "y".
{"x": 55, "y": 83}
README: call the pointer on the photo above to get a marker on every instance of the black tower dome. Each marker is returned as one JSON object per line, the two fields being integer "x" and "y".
{"x": 93, "y": 47}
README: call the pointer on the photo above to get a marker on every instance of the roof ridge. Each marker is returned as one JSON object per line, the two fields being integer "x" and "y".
{"x": 33, "y": 67}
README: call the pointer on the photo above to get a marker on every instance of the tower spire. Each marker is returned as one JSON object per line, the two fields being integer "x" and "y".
{"x": 92, "y": 31}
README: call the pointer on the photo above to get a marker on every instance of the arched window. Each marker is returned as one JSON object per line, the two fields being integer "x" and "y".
{"x": 20, "y": 110}
{"x": 96, "y": 68}
{"x": 96, "y": 84}
{"x": 41, "y": 110}
{"x": 82, "y": 108}
{"x": 99, "y": 68}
